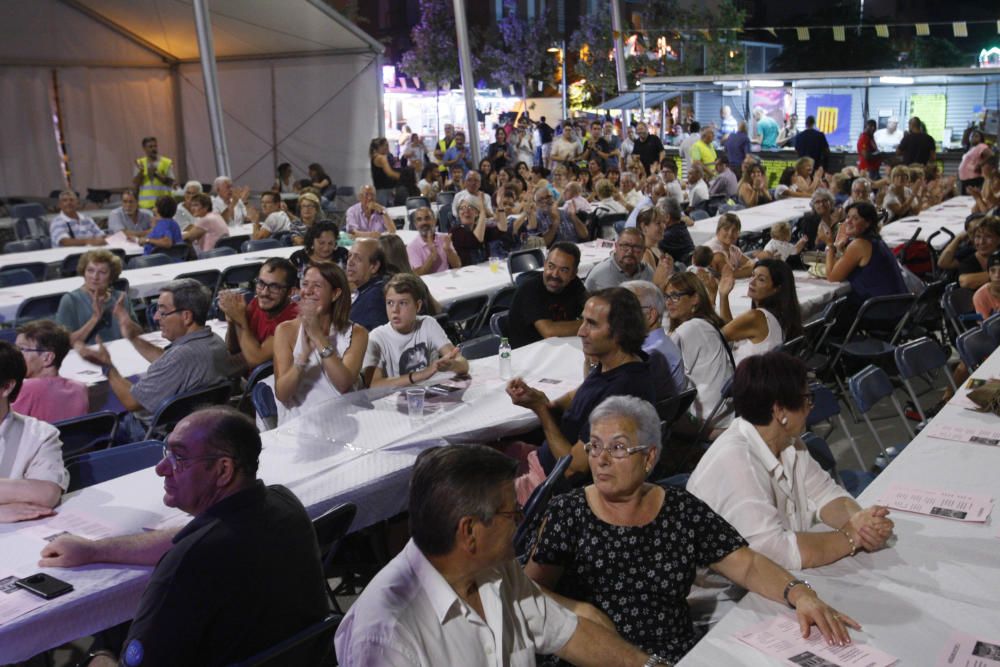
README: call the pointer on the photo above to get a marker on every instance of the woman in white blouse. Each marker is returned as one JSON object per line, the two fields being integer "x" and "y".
{"x": 774, "y": 493}
{"x": 775, "y": 316}
{"x": 318, "y": 355}
{"x": 695, "y": 327}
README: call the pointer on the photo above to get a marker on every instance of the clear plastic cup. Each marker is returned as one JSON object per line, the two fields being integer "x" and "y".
{"x": 415, "y": 403}
{"x": 494, "y": 264}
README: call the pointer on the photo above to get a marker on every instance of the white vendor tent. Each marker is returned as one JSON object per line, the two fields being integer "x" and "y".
{"x": 297, "y": 81}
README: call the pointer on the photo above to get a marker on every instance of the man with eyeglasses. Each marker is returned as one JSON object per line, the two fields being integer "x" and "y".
{"x": 543, "y": 218}
{"x": 625, "y": 263}
{"x": 548, "y": 304}
{"x": 195, "y": 358}
{"x": 32, "y": 475}
{"x": 241, "y": 576}
{"x": 45, "y": 394}
{"x": 431, "y": 251}
{"x": 251, "y": 326}
{"x": 455, "y": 595}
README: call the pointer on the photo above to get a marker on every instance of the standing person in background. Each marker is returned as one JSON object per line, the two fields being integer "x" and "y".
{"x": 970, "y": 171}
{"x": 728, "y": 122}
{"x": 917, "y": 147}
{"x": 810, "y": 142}
{"x": 685, "y": 146}
{"x": 766, "y": 131}
{"x": 154, "y": 174}
{"x": 648, "y": 147}
{"x": 384, "y": 174}
{"x": 545, "y": 136}
{"x": 888, "y": 138}
{"x": 737, "y": 146}
{"x": 868, "y": 160}
{"x": 442, "y": 146}
{"x": 129, "y": 219}
{"x": 284, "y": 182}
{"x": 459, "y": 154}
{"x": 524, "y": 143}
{"x": 703, "y": 152}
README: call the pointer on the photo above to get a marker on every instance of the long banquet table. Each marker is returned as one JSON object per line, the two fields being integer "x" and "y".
{"x": 949, "y": 214}
{"x": 940, "y": 576}
{"x": 755, "y": 219}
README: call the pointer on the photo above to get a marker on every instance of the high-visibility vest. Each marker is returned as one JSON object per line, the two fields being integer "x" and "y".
{"x": 148, "y": 191}
{"x": 443, "y": 146}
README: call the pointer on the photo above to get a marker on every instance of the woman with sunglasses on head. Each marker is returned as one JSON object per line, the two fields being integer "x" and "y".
{"x": 775, "y": 493}
{"x": 696, "y": 329}
{"x": 631, "y": 548}
{"x": 318, "y": 355}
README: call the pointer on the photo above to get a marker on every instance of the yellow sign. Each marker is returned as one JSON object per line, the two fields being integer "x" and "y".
{"x": 931, "y": 110}
{"x": 826, "y": 119}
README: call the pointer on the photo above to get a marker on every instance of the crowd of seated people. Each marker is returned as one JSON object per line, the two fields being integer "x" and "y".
{"x": 653, "y": 319}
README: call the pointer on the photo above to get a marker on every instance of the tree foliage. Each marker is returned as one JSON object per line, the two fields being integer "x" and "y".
{"x": 434, "y": 56}
{"x": 521, "y": 51}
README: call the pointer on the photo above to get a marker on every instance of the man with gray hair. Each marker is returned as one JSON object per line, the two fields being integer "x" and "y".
{"x": 229, "y": 201}
{"x": 70, "y": 228}
{"x": 665, "y": 362}
{"x": 625, "y": 263}
{"x": 455, "y": 595}
{"x": 184, "y": 217}
{"x": 677, "y": 240}
{"x": 195, "y": 358}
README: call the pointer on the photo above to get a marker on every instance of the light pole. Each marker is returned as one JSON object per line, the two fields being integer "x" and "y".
{"x": 561, "y": 50}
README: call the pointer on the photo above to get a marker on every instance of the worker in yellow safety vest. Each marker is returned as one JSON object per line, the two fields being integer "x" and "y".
{"x": 154, "y": 174}
{"x": 443, "y": 145}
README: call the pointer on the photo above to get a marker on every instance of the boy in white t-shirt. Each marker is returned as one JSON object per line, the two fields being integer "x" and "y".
{"x": 410, "y": 348}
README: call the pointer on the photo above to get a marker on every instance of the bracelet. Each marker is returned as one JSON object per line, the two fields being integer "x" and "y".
{"x": 792, "y": 584}
{"x": 411, "y": 377}
{"x": 854, "y": 545}
{"x": 654, "y": 660}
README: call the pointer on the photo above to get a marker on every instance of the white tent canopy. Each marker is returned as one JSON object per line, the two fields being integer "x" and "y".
{"x": 298, "y": 83}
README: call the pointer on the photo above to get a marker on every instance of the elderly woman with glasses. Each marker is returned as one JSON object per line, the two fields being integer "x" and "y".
{"x": 631, "y": 548}
{"x": 775, "y": 493}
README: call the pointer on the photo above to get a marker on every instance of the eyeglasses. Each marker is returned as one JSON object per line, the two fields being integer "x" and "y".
{"x": 261, "y": 286}
{"x": 161, "y": 314}
{"x": 631, "y": 247}
{"x": 179, "y": 463}
{"x": 31, "y": 349}
{"x": 674, "y": 297}
{"x": 617, "y": 450}
{"x": 516, "y": 515}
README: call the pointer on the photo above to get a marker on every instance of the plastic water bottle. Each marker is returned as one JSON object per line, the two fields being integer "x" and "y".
{"x": 506, "y": 371}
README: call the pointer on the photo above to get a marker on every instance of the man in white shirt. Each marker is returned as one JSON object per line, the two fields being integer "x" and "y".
{"x": 688, "y": 143}
{"x": 566, "y": 148}
{"x": 32, "y": 475}
{"x": 71, "y": 228}
{"x": 524, "y": 142}
{"x": 471, "y": 185}
{"x": 888, "y": 138}
{"x": 229, "y": 201}
{"x": 630, "y": 192}
{"x": 455, "y": 595}
{"x": 697, "y": 187}
{"x": 275, "y": 219}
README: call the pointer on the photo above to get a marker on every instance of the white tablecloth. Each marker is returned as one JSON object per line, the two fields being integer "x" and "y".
{"x": 949, "y": 215}
{"x": 754, "y": 219}
{"x": 938, "y": 577}
{"x": 57, "y": 255}
{"x": 357, "y": 448}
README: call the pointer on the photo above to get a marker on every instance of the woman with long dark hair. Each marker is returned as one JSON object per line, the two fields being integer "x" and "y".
{"x": 775, "y": 316}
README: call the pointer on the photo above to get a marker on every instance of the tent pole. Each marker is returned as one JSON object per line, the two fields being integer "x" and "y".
{"x": 468, "y": 83}
{"x": 380, "y": 93}
{"x": 206, "y": 47}
{"x": 180, "y": 143}
{"x": 622, "y": 80}
{"x": 274, "y": 123}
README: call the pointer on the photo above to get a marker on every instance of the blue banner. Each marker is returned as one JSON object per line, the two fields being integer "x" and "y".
{"x": 833, "y": 117}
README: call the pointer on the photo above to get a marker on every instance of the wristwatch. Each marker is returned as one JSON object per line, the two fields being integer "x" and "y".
{"x": 792, "y": 584}
{"x": 327, "y": 351}
{"x": 655, "y": 660}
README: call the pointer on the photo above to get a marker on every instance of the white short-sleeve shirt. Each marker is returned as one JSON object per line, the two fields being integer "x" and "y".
{"x": 397, "y": 353}
{"x": 409, "y": 615}
{"x": 31, "y": 449}
{"x": 766, "y": 498}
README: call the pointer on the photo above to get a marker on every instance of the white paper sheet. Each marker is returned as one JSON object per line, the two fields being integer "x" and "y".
{"x": 946, "y": 504}
{"x": 781, "y": 638}
{"x": 965, "y": 650}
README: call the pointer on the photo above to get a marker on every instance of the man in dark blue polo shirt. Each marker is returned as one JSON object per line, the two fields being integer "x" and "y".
{"x": 365, "y": 272}
{"x": 612, "y": 335}
{"x": 240, "y": 577}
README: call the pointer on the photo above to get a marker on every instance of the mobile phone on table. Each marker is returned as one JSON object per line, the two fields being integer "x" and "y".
{"x": 44, "y": 585}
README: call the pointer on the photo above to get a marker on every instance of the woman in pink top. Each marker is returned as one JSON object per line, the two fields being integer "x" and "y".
{"x": 44, "y": 394}
{"x": 208, "y": 227}
{"x": 970, "y": 172}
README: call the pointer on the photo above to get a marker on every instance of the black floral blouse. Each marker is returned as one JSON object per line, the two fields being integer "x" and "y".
{"x": 638, "y": 575}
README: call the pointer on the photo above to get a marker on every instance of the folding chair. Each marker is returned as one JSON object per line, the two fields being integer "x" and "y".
{"x": 263, "y": 371}
{"x": 106, "y": 464}
{"x": 12, "y": 277}
{"x": 826, "y": 408}
{"x": 537, "y": 503}
{"x": 479, "y": 348}
{"x": 68, "y": 268}
{"x": 498, "y": 324}
{"x": 262, "y": 397}
{"x": 927, "y": 318}
{"x": 146, "y": 261}
{"x": 958, "y": 309}
{"x": 256, "y": 245}
{"x": 605, "y": 226}
{"x": 240, "y": 275}
{"x": 413, "y": 203}
{"x": 331, "y": 528}
{"x": 445, "y": 199}
{"x": 37, "y": 269}
{"x": 38, "y": 308}
{"x": 22, "y": 246}
{"x": 219, "y": 251}
{"x": 974, "y": 346}
{"x": 464, "y": 313}
{"x": 872, "y": 336}
{"x": 855, "y": 481}
{"x": 522, "y": 278}
{"x": 87, "y": 433}
{"x": 868, "y": 387}
{"x": 178, "y": 252}
{"x": 209, "y": 277}
{"x": 992, "y": 327}
{"x": 520, "y": 261}
{"x": 310, "y": 646}
{"x": 176, "y": 408}
{"x": 921, "y": 357}
{"x": 30, "y": 223}
{"x": 234, "y": 242}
